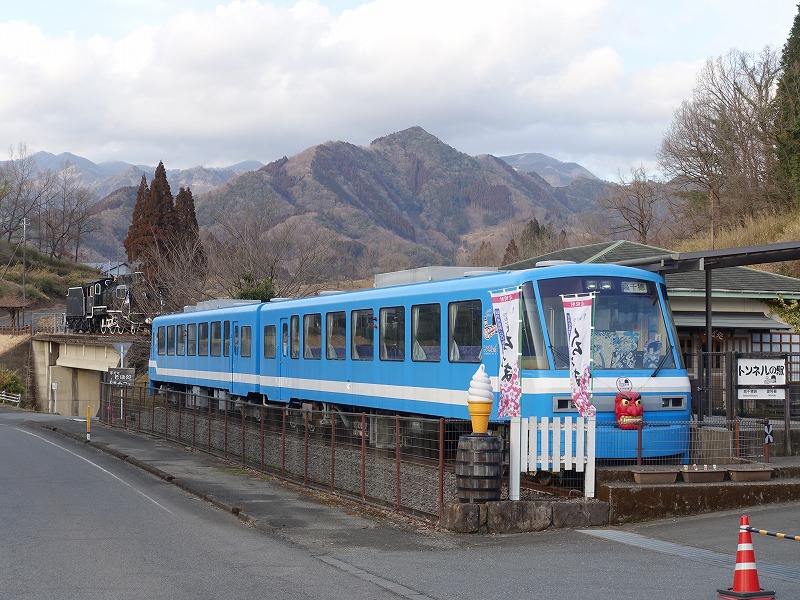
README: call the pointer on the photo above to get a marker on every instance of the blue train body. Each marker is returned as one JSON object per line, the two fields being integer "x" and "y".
{"x": 413, "y": 349}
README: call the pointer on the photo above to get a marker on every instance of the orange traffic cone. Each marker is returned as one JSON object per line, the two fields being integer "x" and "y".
{"x": 745, "y": 578}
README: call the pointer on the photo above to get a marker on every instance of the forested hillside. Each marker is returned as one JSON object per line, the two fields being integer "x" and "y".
{"x": 407, "y": 198}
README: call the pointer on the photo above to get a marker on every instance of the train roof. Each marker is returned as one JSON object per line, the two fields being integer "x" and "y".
{"x": 482, "y": 282}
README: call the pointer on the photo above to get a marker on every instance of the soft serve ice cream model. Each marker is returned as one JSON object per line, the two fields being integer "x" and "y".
{"x": 479, "y": 400}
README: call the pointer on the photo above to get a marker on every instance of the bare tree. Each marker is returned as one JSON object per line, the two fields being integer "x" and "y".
{"x": 485, "y": 256}
{"x": 23, "y": 191}
{"x": 636, "y": 207}
{"x": 291, "y": 254}
{"x": 720, "y": 143}
{"x": 182, "y": 278}
{"x": 65, "y": 214}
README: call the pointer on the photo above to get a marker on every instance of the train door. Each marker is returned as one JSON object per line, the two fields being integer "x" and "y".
{"x": 283, "y": 361}
{"x": 235, "y": 354}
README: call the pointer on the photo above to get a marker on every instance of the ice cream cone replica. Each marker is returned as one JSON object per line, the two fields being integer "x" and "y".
{"x": 479, "y": 400}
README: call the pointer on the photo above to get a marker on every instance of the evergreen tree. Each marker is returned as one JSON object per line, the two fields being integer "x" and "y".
{"x": 511, "y": 254}
{"x": 136, "y": 237}
{"x": 185, "y": 217}
{"x": 186, "y": 228}
{"x": 787, "y": 101}
{"x": 153, "y": 227}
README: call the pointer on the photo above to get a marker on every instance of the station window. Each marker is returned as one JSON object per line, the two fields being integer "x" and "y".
{"x": 426, "y": 333}
{"x": 294, "y": 346}
{"x": 362, "y": 345}
{"x": 269, "y": 341}
{"x": 180, "y": 339}
{"x": 161, "y": 341}
{"x": 216, "y": 337}
{"x": 247, "y": 341}
{"x": 335, "y": 332}
{"x": 202, "y": 339}
{"x": 393, "y": 333}
{"x": 191, "y": 339}
{"x": 464, "y": 337}
{"x": 312, "y": 336}
{"x": 226, "y": 338}
{"x": 170, "y": 340}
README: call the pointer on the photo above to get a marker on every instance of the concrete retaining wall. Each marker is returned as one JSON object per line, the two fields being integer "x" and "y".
{"x": 520, "y": 516}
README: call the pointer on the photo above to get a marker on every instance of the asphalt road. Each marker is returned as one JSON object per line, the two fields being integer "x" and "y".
{"x": 75, "y": 523}
{"x": 117, "y": 531}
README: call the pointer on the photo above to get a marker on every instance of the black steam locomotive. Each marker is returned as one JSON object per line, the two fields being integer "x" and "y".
{"x": 104, "y": 306}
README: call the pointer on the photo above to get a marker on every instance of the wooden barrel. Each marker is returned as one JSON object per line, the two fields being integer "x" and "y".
{"x": 479, "y": 468}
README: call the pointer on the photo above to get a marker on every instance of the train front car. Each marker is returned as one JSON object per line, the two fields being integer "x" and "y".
{"x": 638, "y": 380}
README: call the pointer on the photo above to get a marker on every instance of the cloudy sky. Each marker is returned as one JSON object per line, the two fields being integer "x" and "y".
{"x": 215, "y": 82}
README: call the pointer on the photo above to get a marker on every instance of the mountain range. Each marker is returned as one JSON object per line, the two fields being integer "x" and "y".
{"x": 407, "y": 197}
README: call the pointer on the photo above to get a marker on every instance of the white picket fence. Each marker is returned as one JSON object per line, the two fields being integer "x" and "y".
{"x": 547, "y": 444}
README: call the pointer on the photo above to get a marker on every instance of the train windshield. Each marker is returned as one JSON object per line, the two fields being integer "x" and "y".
{"x": 630, "y": 328}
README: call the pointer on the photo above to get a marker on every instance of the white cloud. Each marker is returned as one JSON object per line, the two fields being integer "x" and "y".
{"x": 214, "y": 83}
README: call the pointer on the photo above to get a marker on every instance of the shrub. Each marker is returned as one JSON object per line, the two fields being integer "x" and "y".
{"x": 10, "y": 381}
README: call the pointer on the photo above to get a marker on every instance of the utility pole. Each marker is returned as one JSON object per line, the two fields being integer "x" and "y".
{"x": 24, "y": 243}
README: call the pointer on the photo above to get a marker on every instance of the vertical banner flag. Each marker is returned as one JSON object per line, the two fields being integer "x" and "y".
{"x": 506, "y": 317}
{"x": 578, "y": 316}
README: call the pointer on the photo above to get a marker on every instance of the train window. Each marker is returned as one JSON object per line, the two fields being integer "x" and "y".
{"x": 191, "y": 339}
{"x": 426, "y": 333}
{"x": 226, "y": 338}
{"x": 247, "y": 340}
{"x": 202, "y": 339}
{"x": 629, "y": 330}
{"x": 269, "y": 341}
{"x": 335, "y": 332}
{"x": 161, "y": 341}
{"x": 294, "y": 345}
{"x": 363, "y": 337}
{"x": 216, "y": 337}
{"x": 285, "y": 338}
{"x": 180, "y": 339}
{"x": 170, "y": 340}
{"x": 312, "y": 336}
{"x": 534, "y": 355}
{"x": 464, "y": 337}
{"x": 393, "y": 333}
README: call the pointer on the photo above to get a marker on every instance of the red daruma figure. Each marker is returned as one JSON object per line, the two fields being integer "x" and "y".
{"x": 628, "y": 408}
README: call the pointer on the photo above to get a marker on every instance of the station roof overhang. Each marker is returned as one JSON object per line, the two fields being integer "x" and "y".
{"x": 707, "y": 260}
{"x": 727, "y": 320}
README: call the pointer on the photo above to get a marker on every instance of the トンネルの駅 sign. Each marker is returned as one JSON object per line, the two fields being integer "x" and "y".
{"x": 761, "y": 377}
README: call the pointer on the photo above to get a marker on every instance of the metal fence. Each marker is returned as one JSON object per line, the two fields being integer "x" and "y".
{"x": 406, "y": 464}
{"x": 401, "y": 463}
{"x": 715, "y": 393}
{"x": 714, "y": 440}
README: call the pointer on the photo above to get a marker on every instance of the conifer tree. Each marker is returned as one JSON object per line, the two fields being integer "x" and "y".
{"x": 136, "y": 232}
{"x": 153, "y": 226}
{"x": 185, "y": 217}
{"x": 186, "y": 228}
{"x": 787, "y": 103}
{"x": 511, "y": 254}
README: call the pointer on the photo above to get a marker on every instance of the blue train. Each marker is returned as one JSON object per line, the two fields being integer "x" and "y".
{"x": 412, "y": 349}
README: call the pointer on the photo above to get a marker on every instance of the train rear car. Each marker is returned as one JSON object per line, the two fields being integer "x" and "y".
{"x": 413, "y": 349}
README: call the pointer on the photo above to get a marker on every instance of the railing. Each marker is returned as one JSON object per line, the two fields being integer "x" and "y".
{"x": 9, "y": 397}
{"x": 400, "y": 463}
{"x": 551, "y": 444}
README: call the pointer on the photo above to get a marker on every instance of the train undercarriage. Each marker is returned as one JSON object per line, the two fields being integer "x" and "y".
{"x": 416, "y": 434}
